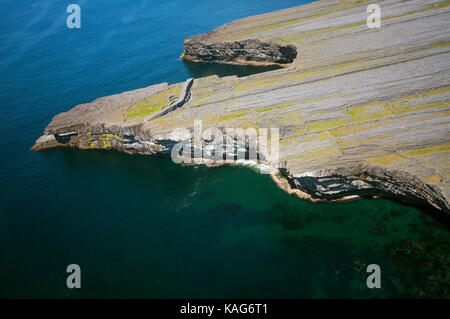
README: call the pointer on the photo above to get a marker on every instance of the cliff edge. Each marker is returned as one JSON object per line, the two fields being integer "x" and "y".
{"x": 361, "y": 112}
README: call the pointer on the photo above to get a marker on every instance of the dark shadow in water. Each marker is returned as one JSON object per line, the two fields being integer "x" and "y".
{"x": 202, "y": 69}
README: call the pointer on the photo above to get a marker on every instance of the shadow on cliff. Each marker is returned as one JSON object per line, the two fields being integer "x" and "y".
{"x": 202, "y": 69}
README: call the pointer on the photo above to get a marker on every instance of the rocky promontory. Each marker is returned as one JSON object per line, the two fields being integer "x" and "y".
{"x": 361, "y": 111}
{"x": 251, "y": 51}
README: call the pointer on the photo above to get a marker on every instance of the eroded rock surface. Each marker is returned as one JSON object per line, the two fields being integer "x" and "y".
{"x": 250, "y": 51}
{"x": 361, "y": 111}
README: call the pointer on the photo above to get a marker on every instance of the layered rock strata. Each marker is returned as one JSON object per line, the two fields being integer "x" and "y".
{"x": 361, "y": 112}
{"x": 250, "y": 51}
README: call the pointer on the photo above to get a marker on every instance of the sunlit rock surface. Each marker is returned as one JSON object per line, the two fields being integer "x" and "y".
{"x": 361, "y": 111}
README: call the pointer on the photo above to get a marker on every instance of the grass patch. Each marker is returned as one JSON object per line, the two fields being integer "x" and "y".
{"x": 428, "y": 150}
{"x": 435, "y": 92}
{"x": 386, "y": 160}
{"x": 409, "y": 107}
{"x": 283, "y": 106}
{"x": 368, "y": 112}
{"x": 264, "y": 110}
{"x": 153, "y": 104}
{"x": 325, "y": 124}
{"x": 234, "y": 115}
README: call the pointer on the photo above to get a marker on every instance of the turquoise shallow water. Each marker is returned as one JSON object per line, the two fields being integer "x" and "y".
{"x": 145, "y": 227}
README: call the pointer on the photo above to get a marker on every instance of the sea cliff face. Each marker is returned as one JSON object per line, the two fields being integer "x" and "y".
{"x": 361, "y": 112}
{"x": 250, "y": 51}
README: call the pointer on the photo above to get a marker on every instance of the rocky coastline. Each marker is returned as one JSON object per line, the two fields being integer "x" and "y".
{"x": 358, "y": 117}
{"x": 251, "y": 51}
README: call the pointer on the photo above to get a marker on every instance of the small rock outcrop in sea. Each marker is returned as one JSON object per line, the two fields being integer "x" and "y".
{"x": 250, "y": 51}
{"x": 361, "y": 112}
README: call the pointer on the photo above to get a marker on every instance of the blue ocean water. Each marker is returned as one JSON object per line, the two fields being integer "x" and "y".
{"x": 145, "y": 227}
